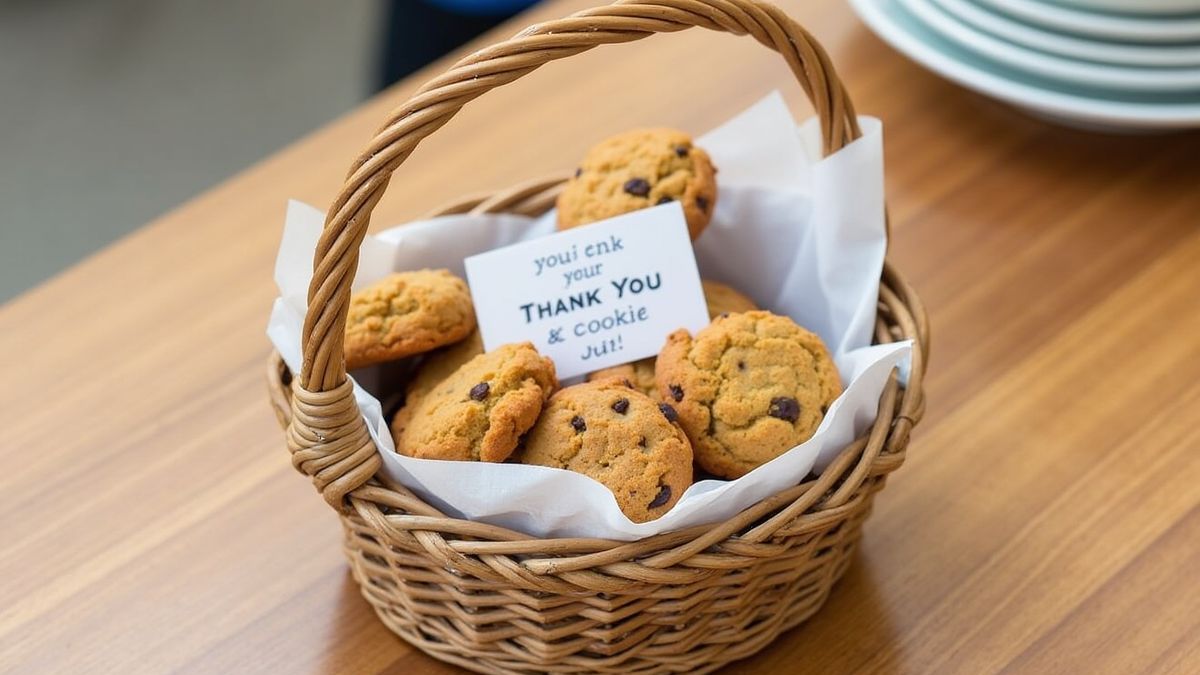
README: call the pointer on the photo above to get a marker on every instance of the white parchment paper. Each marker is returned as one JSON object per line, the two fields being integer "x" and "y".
{"x": 802, "y": 235}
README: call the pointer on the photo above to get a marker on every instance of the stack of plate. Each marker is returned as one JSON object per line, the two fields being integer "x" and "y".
{"x": 1108, "y": 64}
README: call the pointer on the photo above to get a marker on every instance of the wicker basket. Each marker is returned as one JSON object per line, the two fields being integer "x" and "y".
{"x": 495, "y": 600}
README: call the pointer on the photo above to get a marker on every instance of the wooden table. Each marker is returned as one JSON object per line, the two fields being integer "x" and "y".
{"x": 1047, "y": 518}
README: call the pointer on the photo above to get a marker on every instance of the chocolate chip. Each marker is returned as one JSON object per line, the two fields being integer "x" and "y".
{"x": 578, "y": 172}
{"x": 785, "y": 408}
{"x": 579, "y": 425}
{"x": 702, "y": 202}
{"x": 638, "y": 187}
{"x": 824, "y": 409}
{"x": 664, "y": 200}
{"x": 480, "y": 391}
{"x": 663, "y": 496}
{"x": 677, "y": 392}
{"x": 741, "y": 365}
{"x": 621, "y": 405}
{"x": 681, "y": 151}
{"x": 668, "y": 411}
{"x": 642, "y": 442}
{"x": 627, "y": 383}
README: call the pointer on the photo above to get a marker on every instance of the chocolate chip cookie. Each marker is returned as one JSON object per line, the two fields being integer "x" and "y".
{"x": 721, "y": 299}
{"x": 637, "y": 169}
{"x": 747, "y": 388}
{"x": 481, "y": 410}
{"x": 405, "y": 314}
{"x": 619, "y": 437}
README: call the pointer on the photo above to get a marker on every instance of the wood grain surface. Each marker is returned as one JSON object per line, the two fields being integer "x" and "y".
{"x": 1046, "y": 520}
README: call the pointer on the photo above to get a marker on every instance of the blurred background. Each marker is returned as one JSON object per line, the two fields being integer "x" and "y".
{"x": 115, "y": 111}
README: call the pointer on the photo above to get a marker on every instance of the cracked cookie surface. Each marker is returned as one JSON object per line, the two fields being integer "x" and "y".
{"x": 747, "y": 388}
{"x": 442, "y": 363}
{"x": 407, "y": 313}
{"x": 638, "y": 169}
{"x": 481, "y": 410}
{"x": 619, "y": 437}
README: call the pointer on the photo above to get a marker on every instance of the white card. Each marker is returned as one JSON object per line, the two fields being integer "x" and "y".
{"x": 594, "y": 296}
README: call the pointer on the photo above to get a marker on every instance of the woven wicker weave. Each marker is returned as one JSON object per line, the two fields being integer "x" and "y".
{"x": 495, "y": 600}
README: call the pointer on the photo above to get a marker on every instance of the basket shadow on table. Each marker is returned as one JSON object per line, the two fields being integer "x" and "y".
{"x": 852, "y": 627}
{"x": 353, "y": 627}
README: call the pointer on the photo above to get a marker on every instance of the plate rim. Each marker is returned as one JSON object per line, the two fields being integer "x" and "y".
{"x": 1079, "y": 21}
{"x": 1143, "y": 11}
{"x": 1047, "y": 66}
{"x": 1020, "y": 94}
{"x": 1007, "y": 28}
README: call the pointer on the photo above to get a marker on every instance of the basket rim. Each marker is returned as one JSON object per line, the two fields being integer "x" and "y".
{"x": 391, "y": 496}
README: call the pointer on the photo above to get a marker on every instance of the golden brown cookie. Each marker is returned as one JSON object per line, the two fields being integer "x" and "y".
{"x": 723, "y": 299}
{"x": 748, "y": 388}
{"x": 407, "y": 313}
{"x": 442, "y": 363}
{"x": 639, "y": 375}
{"x": 637, "y": 169}
{"x": 620, "y": 438}
{"x": 480, "y": 411}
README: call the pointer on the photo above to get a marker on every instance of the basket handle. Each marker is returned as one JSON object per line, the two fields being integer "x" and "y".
{"x": 320, "y": 390}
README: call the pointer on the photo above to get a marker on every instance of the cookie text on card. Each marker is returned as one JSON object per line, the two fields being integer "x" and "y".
{"x": 593, "y": 296}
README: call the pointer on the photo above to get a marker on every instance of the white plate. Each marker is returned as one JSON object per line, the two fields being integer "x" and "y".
{"x": 1108, "y": 26}
{"x": 1096, "y": 75}
{"x": 1123, "y": 54}
{"x": 1079, "y": 108}
{"x": 1136, "y": 6}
